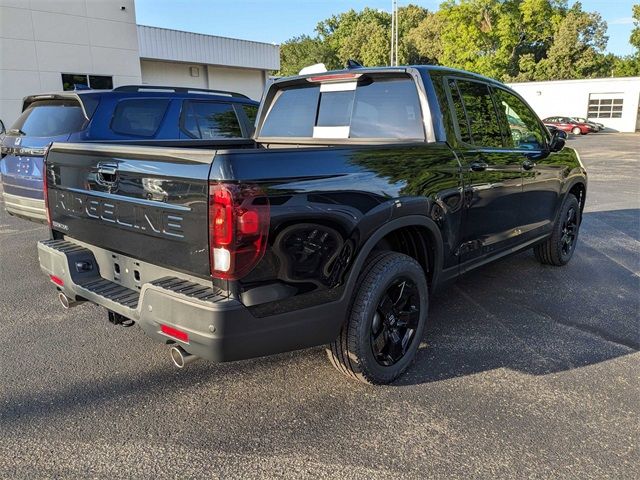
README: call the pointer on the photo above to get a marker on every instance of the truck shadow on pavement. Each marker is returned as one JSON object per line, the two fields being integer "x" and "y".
{"x": 518, "y": 314}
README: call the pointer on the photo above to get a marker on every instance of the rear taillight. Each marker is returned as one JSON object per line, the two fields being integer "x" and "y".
{"x": 238, "y": 228}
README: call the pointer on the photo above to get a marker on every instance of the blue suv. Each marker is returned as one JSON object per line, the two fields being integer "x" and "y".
{"x": 130, "y": 114}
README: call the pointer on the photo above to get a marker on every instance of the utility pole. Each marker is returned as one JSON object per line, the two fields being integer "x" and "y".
{"x": 394, "y": 33}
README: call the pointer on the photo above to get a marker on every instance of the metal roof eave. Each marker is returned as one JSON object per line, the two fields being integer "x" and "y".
{"x": 174, "y": 45}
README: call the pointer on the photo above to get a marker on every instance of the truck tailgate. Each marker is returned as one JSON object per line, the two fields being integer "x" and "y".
{"x": 148, "y": 203}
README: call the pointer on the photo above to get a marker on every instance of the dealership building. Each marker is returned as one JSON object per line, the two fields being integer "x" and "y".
{"x": 49, "y": 46}
{"x": 610, "y": 101}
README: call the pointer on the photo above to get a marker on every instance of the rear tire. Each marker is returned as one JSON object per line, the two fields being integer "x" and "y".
{"x": 383, "y": 331}
{"x": 559, "y": 247}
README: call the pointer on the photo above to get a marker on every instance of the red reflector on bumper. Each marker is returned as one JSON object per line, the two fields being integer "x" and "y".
{"x": 57, "y": 280}
{"x": 175, "y": 333}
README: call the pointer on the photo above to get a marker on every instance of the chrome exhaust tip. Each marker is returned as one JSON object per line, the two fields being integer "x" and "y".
{"x": 67, "y": 302}
{"x": 181, "y": 358}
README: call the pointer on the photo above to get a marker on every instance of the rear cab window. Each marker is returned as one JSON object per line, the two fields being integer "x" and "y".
{"x": 292, "y": 113}
{"x": 50, "y": 118}
{"x": 139, "y": 117}
{"x": 369, "y": 106}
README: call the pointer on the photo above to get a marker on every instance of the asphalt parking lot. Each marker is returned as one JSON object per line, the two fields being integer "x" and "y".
{"x": 525, "y": 371}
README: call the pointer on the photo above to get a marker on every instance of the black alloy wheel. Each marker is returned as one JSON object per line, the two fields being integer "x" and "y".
{"x": 382, "y": 333}
{"x": 569, "y": 231}
{"x": 395, "y": 322}
{"x": 558, "y": 249}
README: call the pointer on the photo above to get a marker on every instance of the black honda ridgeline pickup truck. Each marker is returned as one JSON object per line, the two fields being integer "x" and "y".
{"x": 362, "y": 192}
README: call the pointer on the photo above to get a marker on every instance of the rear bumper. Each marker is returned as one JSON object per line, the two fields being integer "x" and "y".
{"x": 220, "y": 329}
{"x": 24, "y": 207}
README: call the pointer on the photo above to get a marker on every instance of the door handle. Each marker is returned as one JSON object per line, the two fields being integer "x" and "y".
{"x": 528, "y": 164}
{"x": 478, "y": 166}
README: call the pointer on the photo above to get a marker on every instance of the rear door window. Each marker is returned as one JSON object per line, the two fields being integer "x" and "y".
{"x": 210, "y": 120}
{"x": 481, "y": 115}
{"x": 375, "y": 106}
{"x": 460, "y": 114}
{"x": 50, "y": 118}
{"x": 139, "y": 117}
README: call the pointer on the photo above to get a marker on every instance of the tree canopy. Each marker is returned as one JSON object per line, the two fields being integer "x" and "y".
{"x": 512, "y": 40}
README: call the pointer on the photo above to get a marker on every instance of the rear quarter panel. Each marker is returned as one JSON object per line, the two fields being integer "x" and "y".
{"x": 327, "y": 202}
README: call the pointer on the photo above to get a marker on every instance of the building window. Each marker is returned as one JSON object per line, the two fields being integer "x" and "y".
{"x": 81, "y": 81}
{"x": 605, "y": 105}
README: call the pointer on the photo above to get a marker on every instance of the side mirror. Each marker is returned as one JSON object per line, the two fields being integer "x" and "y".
{"x": 558, "y": 139}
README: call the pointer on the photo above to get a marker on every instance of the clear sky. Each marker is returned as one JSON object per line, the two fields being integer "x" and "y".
{"x": 274, "y": 21}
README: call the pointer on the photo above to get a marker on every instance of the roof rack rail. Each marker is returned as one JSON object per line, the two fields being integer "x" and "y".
{"x": 164, "y": 88}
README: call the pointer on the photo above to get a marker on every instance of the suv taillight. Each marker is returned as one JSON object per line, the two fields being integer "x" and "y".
{"x": 45, "y": 186}
{"x": 238, "y": 228}
{"x": 45, "y": 191}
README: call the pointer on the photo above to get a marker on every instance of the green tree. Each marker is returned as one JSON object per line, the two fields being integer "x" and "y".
{"x": 512, "y": 40}
{"x": 423, "y": 43}
{"x": 488, "y": 36}
{"x": 628, "y": 66}
{"x": 635, "y": 33}
{"x": 364, "y": 36}
{"x": 409, "y": 19}
{"x": 302, "y": 51}
{"x": 470, "y": 38}
{"x": 578, "y": 48}
{"x": 518, "y": 39}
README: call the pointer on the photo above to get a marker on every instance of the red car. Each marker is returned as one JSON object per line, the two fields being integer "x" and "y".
{"x": 568, "y": 124}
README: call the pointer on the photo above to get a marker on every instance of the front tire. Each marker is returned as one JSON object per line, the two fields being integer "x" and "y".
{"x": 576, "y": 131}
{"x": 559, "y": 247}
{"x": 382, "y": 333}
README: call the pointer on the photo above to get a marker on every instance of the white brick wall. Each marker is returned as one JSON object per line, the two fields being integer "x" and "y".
{"x": 247, "y": 81}
{"x": 41, "y": 39}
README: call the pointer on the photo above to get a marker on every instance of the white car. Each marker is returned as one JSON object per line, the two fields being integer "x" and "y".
{"x": 594, "y": 125}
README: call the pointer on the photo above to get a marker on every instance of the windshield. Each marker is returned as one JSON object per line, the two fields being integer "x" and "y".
{"x": 50, "y": 118}
{"x": 372, "y": 107}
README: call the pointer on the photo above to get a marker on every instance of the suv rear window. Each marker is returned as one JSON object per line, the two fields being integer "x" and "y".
{"x": 50, "y": 118}
{"x": 378, "y": 106}
{"x": 140, "y": 117}
{"x": 209, "y": 120}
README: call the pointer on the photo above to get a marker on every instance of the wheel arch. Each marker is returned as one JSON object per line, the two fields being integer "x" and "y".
{"x": 579, "y": 189}
{"x": 403, "y": 234}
